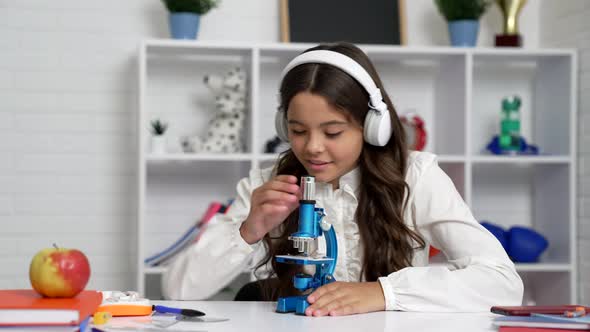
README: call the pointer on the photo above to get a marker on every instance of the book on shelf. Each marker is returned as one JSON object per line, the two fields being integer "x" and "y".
{"x": 25, "y": 307}
{"x": 189, "y": 237}
{"x": 544, "y": 321}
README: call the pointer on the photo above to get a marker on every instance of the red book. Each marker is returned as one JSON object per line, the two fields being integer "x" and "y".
{"x": 27, "y": 307}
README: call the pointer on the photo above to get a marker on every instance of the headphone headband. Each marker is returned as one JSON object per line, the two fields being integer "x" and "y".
{"x": 377, "y": 129}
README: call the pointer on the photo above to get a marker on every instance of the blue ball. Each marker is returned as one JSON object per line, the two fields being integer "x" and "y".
{"x": 526, "y": 244}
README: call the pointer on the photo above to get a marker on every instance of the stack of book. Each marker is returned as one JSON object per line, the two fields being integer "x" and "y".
{"x": 189, "y": 237}
{"x": 542, "y": 322}
{"x": 26, "y": 309}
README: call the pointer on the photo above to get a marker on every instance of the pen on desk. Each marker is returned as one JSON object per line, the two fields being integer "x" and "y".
{"x": 578, "y": 312}
{"x": 184, "y": 312}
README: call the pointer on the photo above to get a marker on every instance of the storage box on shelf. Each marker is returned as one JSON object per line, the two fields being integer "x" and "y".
{"x": 456, "y": 91}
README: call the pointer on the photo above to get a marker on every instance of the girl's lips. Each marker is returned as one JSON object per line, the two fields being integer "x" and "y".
{"x": 317, "y": 165}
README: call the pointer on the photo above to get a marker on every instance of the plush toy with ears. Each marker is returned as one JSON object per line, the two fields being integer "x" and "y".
{"x": 226, "y": 128}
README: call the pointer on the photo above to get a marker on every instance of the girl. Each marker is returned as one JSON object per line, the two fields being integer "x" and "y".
{"x": 388, "y": 206}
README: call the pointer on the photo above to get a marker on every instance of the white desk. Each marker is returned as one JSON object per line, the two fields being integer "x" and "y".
{"x": 261, "y": 316}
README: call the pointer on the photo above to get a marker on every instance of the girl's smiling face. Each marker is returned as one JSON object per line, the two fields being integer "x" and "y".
{"x": 324, "y": 138}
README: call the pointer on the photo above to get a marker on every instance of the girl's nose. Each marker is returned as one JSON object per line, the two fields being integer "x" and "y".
{"x": 315, "y": 144}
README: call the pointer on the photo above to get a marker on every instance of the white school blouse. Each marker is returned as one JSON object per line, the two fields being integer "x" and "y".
{"x": 478, "y": 274}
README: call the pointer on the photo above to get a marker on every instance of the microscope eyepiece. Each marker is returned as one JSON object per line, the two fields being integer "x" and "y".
{"x": 308, "y": 188}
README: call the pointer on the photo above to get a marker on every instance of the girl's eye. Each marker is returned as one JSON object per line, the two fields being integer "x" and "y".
{"x": 297, "y": 132}
{"x": 333, "y": 135}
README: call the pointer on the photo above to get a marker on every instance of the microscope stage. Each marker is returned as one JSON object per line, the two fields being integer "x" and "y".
{"x": 303, "y": 259}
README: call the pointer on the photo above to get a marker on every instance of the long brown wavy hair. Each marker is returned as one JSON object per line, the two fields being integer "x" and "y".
{"x": 388, "y": 244}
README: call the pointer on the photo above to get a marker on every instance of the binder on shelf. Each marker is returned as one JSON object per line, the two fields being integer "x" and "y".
{"x": 190, "y": 236}
{"x": 25, "y": 307}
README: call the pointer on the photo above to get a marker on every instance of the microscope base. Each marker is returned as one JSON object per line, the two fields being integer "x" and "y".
{"x": 293, "y": 303}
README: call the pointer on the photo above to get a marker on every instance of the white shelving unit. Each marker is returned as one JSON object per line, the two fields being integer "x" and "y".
{"x": 458, "y": 93}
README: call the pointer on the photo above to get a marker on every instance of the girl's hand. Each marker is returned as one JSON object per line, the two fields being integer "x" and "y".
{"x": 270, "y": 204}
{"x": 346, "y": 298}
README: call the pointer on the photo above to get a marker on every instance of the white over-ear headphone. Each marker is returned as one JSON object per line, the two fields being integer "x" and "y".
{"x": 377, "y": 127}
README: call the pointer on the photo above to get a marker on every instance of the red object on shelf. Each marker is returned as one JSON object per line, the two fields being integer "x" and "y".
{"x": 433, "y": 251}
{"x": 508, "y": 41}
{"x": 414, "y": 126}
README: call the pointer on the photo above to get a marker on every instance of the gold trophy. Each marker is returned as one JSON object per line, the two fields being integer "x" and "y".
{"x": 510, "y": 10}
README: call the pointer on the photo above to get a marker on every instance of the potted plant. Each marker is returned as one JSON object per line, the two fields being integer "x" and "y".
{"x": 158, "y": 129}
{"x": 463, "y": 19}
{"x": 185, "y": 16}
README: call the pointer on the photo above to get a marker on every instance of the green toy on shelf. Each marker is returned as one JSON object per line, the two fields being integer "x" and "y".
{"x": 510, "y": 124}
{"x": 509, "y": 141}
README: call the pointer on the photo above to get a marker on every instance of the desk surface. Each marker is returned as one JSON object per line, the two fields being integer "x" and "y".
{"x": 261, "y": 316}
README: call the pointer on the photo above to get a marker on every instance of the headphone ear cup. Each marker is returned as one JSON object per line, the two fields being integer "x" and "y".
{"x": 377, "y": 129}
{"x": 281, "y": 126}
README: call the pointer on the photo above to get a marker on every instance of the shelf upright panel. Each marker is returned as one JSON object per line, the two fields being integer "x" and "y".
{"x": 573, "y": 207}
{"x": 254, "y": 105}
{"x": 142, "y": 58}
{"x": 468, "y": 128}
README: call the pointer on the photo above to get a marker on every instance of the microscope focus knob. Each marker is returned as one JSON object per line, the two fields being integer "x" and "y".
{"x": 325, "y": 226}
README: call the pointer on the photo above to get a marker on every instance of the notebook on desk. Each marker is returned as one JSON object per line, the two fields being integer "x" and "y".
{"x": 27, "y": 307}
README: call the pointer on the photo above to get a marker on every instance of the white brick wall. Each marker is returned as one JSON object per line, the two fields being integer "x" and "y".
{"x": 67, "y": 124}
{"x": 565, "y": 24}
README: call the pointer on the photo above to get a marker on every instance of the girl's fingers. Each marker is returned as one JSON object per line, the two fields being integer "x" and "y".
{"x": 328, "y": 308}
{"x": 282, "y": 186}
{"x": 277, "y": 196}
{"x": 347, "y": 309}
{"x": 272, "y": 209}
{"x": 287, "y": 178}
{"x": 331, "y": 287}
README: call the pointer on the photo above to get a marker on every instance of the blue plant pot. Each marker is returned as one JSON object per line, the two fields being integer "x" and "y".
{"x": 184, "y": 25}
{"x": 464, "y": 33}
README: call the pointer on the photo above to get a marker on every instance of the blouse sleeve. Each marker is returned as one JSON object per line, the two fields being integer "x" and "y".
{"x": 479, "y": 273}
{"x": 219, "y": 256}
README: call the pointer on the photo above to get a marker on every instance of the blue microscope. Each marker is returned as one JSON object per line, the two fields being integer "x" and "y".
{"x": 311, "y": 226}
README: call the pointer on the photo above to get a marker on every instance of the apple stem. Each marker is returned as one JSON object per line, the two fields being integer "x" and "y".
{"x": 55, "y": 246}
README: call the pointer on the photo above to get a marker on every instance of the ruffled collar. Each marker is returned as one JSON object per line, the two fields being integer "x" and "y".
{"x": 348, "y": 182}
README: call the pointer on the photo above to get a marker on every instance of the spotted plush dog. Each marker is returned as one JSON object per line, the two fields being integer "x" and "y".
{"x": 226, "y": 128}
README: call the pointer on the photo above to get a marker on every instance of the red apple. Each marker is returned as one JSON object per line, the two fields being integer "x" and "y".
{"x": 59, "y": 272}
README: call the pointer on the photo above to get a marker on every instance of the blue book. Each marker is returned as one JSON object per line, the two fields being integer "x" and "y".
{"x": 191, "y": 235}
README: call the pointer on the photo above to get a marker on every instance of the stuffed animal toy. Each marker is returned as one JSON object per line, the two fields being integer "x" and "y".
{"x": 225, "y": 129}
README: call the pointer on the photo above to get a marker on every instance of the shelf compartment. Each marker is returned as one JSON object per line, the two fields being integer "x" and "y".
{"x": 175, "y": 91}
{"x": 176, "y": 197}
{"x": 544, "y": 83}
{"x": 530, "y": 195}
